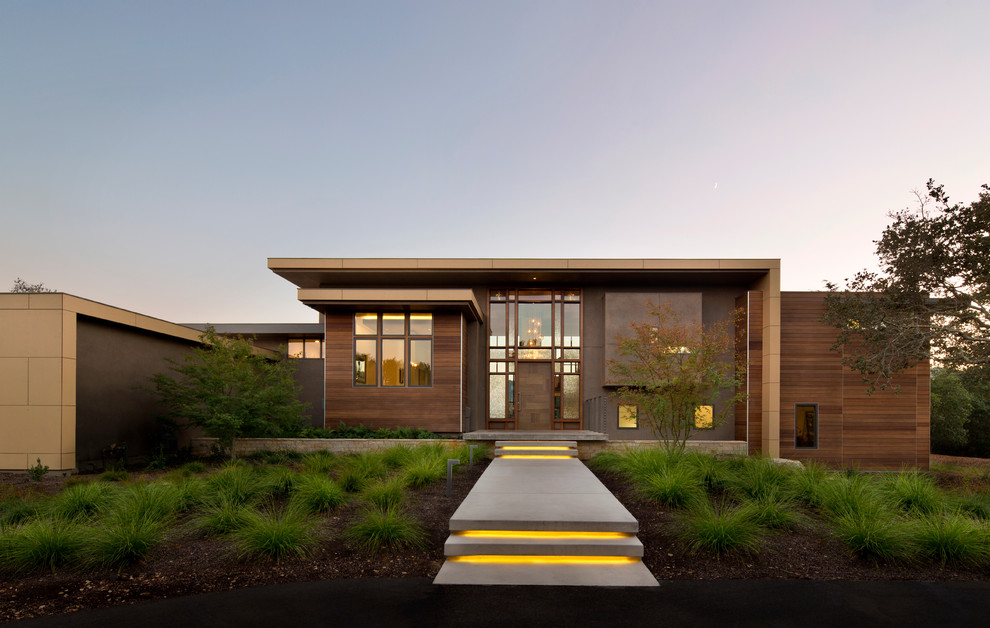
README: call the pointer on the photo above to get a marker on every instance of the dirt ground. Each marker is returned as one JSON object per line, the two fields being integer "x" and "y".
{"x": 190, "y": 564}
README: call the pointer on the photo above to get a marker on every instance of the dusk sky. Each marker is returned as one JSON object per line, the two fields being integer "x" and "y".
{"x": 153, "y": 155}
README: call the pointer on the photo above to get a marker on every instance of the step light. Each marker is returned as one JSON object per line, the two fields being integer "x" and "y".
{"x": 537, "y": 448}
{"x": 534, "y": 456}
{"x": 539, "y": 534}
{"x": 544, "y": 560}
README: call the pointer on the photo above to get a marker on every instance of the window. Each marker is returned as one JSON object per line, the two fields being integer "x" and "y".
{"x": 628, "y": 416}
{"x": 806, "y": 426}
{"x": 393, "y": 350}
{"x": 703, "y": 418}
{"x": 305, "y": 348}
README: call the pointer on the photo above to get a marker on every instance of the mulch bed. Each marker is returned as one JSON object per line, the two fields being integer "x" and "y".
{"x": 190, "y": 564}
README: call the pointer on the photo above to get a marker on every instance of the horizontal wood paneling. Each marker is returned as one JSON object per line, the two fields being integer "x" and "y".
{"x": 885, "y": 430}
{"x": 436, "y": 408}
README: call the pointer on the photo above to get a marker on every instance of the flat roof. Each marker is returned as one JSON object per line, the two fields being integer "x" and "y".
{"x": 327, "y": 272}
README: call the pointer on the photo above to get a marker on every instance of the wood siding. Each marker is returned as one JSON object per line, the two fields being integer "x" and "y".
{"x": 751, "y": 338}
{"x": 885, "y": 430}
{"x": 435, "y": 408}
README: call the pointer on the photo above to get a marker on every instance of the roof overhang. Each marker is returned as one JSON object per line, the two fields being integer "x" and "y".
{"x": 426, "y": 300}
{"x": 414, "y": 273}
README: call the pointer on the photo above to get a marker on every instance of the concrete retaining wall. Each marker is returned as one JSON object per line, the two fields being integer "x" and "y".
{"x": 586, "y": 449}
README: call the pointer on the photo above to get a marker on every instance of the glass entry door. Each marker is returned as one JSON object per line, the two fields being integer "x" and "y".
{"x": 537, "y": 331}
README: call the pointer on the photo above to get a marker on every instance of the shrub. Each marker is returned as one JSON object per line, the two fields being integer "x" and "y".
{"x": 275, "y": 535}
{"x": 719, "y": 531}
{"x": 37, "y": 471}
{"x": 376, "y": 530}
{"x": 45, "y": 543}
{"x": 676, "y": 487}
{"x": 384, "y": 495}
{"x": 84, "y": 500}
{"x": 950, "y": 538}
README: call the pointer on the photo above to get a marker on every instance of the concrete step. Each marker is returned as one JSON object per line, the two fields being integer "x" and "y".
{"x": 630, "y": 572}
{"x": 587, "y": 545}
{"x": 572, "y": 444}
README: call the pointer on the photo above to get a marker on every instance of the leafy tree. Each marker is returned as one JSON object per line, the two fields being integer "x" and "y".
{"x": 931, "y": 297}
{"x": 230, "y": 391}
{"x": 24, "y": 287}
{"x": 669, "y": 368}
{"x": 951, "y": 406}
{"x": 977, "y": 382}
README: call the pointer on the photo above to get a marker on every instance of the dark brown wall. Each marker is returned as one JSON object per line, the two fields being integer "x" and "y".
{"x": 309, "y": 375}
{"x": 749, "y": 344}
{"x": 114, "y": 403}
{"x": 436, "y": 408}
{"x": 885, "y": 430}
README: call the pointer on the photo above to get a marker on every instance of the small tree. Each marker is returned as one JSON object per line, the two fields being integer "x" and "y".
{"x": 24, "y": 287}
{"x": 229, "y": 391}
{"x": 670, "y": 368}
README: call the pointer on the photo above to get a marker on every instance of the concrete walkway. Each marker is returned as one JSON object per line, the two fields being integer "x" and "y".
{"x": 537, "y": 515}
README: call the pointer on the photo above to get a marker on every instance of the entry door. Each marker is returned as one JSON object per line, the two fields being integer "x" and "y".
{"x": 534, "y": 385}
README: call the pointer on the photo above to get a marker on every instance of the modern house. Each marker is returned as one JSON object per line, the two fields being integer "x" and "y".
{"x": 521, "y": 345}
{"x": 489, "y": 348}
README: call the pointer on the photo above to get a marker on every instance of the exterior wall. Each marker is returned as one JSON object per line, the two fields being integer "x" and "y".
{"x": 436, "y": 408}
{"x": 883, "y": 431}
{"x": 749, "y": 415}
{"x": 116, "y": 404}
{"x": 309, "y": 375}
{"x": 37, "y": 382}
{"x": 712, "y": 303}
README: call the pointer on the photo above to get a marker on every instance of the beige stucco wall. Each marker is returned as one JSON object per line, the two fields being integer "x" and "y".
{"x": 37, "y": 382}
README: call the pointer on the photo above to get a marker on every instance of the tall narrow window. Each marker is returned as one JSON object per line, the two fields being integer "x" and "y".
{"x": 628, "y": 416}
{"x": 703, "y": 418}
{"x": 806, "y": 426}
{"x": 365, "y": 363}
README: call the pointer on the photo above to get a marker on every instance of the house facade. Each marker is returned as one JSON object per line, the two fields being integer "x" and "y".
{"x": 521, "y": 345}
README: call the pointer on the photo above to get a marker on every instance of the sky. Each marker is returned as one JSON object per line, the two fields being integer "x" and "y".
{"x": 153, "y": 155}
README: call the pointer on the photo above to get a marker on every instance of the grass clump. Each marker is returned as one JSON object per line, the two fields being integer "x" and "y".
{"x": 606, "y": 461}
{"x": 18, "y": 510}
{"x": 192, "y": 468}
{"x": 127, "y": 536}
{"x": 913, "y": 492}
{"x": 950, "y": 538}
{"x": 713, "y": 474}
{"x": 760, "y": 478}
{"x": 84, "y": 500}
{"x": 279, "y": 482}
{"x": 423, "y": 472}
{"x": 719, "y": 530}
{"x": 113, "y": 475}
{"x": 976, "y": 505}
{"x": 275, "y": 535}
{"x": 774, "y": 513}
{"x": 385, "y": 495}
{"x": 675, "y": 486}
{"x": 376, "y": 530}
{"x": 158, "y": 501}
{"x": 806, "y": 484}
{"x": 45, "y": 543}
{"x": 872, "y": 534}
{"x": 275, "y": 456}
{"x": 397, "y": 457}
{"x": 318, "y": 494}
{"x": 319, "y": 462}
{"x": 641, "y": 463}
{"x": 222, "y": 516}
{"x": 236, "y": 484}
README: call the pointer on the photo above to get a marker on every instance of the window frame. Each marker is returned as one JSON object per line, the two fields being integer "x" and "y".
{"x": 379, "y": 339}
{"x": 817, "y": 425}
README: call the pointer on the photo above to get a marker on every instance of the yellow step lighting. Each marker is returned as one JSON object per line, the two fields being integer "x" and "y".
{"x": 534, "y": 456}
{"x": 538, "y": 534}
{"x": 540, "y": 448}
{"x": 544, "y": 560}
